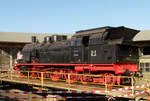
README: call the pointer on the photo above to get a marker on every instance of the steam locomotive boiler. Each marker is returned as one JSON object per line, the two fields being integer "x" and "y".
{"x": 103, "y": 51}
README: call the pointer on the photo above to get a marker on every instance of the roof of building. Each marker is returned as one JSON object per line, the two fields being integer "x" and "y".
{"x": 143, "y": 35}
{"x": 19, "y": 37}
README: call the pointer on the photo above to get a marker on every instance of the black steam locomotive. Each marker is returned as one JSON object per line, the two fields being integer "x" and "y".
{"x": 100, "y": 51}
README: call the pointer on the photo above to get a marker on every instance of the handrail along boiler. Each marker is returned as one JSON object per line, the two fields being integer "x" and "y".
{"x": 103, "y": 51}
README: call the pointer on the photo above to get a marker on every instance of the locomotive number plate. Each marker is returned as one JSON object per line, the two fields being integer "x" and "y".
{"x": 93, "y": 52}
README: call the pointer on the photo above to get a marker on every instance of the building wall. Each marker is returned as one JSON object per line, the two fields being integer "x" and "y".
{"x": 5, "y": 57}
{"x": 4, "y": 60}
{"x": 144, "y": 64}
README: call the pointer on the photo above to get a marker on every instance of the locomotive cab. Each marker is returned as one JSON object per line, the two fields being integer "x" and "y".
{"x": 79, "y": 47}
{"x": 127, "y": 53}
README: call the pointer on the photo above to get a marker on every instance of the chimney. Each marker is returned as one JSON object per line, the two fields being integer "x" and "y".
{"x": 33, "y": 39}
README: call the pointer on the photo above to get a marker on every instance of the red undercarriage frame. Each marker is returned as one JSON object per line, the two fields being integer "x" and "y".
{"x": 106, "y": 70}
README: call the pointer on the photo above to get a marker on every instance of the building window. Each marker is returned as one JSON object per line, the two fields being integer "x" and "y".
{"x": 145, "y": 67}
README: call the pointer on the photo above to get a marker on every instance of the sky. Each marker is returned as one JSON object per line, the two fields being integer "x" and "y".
{"x": 69, "y": 16}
